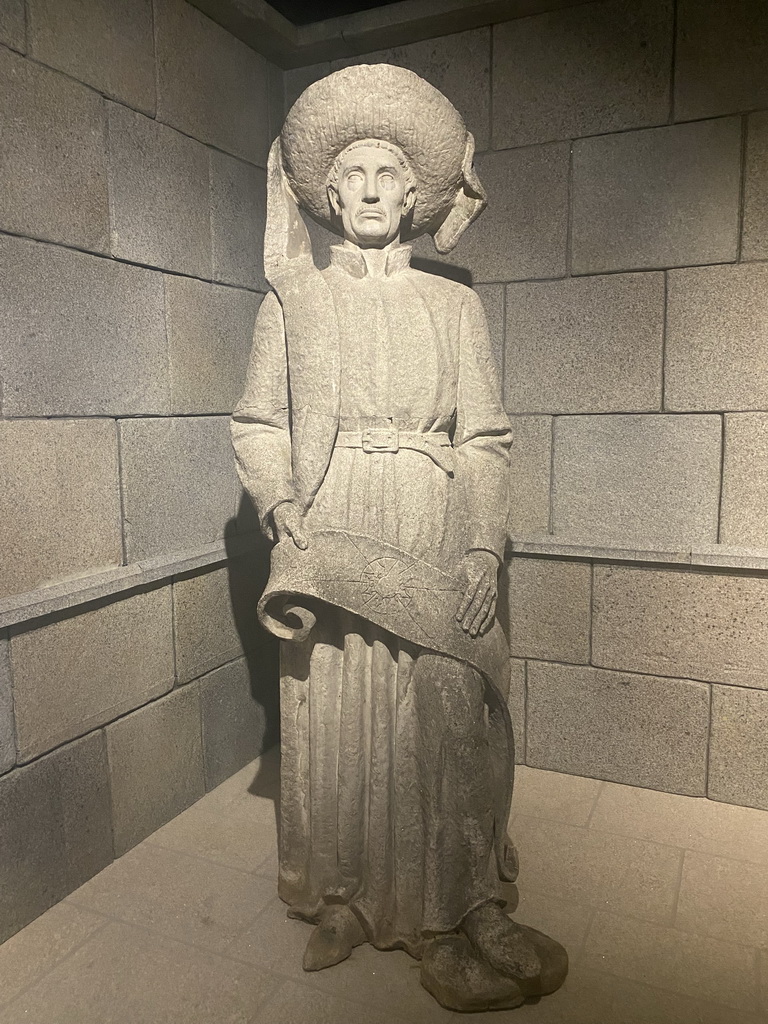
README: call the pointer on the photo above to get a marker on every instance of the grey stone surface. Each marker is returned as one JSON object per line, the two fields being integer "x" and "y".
{"x": 276, "y": 92}
{"x": 155, "y": 765}
{"x": 13, "y": 30}
{"x": 586, "y": 345}
{"x": 59, "y": 500}
{"x": 210, "y": 333}
{"x": 55, "y": 829}
{"x": 296, "y": 80}
{"x": 717, "y": 338}
{"x": 458, "y": 65}
{"x": 698, "y": 625}
{"x": 159, "y": 194}
{"x": 84, "y": 670}
{"x": 636, "y": 481}
{"x": 90, "y": 342}
{"x": 526, "y": 236}
{"x": 7, "y": 733}
{"x": 105, "y": 43}
{"x": 234, "y": 721}
{"x": 744, "y": 515}
{"x": 594, "y": 68}
{"x": 516, "y": 704}
{"x": 215, "y": 616}
{"x": 720, "y": 59}
{"x": 633, "y": 729}
{"x": 238, "y": 205}
{"x": 492, "y": 298}
{"x": 529, "y": 475}
{"x": 178, "y": 483}
{"x": 549, "y": 609}
{"x": 209, "y": 84}
{"x": 53, "y": 175}
{"x": 661, "y": 197}
{"x": 754, "y": 239}
{"x": 738, "y": 757}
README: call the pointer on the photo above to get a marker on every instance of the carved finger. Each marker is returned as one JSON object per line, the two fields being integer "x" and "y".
{"x": 482, "y": 614}
{"x": 474, "y": 607}
{"x": 298, "y": 534}
{"x": 466, "y": 600}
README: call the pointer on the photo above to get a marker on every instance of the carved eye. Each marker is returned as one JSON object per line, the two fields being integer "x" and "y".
{"x": 387, "y": 180}
{"x": 354, "y": 180}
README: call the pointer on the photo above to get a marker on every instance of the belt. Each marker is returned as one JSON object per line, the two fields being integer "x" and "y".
{"x": 436, "y": 445}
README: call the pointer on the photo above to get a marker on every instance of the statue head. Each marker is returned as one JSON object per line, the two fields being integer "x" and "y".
{"x": 375, "y": 153}
{"x": 372, "y": 190}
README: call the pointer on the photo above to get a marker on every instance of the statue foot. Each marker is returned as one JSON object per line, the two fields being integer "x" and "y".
{"x": 453, "y": 973}
{"x": 333, "y": 939}
{"x": 536, "y": 962}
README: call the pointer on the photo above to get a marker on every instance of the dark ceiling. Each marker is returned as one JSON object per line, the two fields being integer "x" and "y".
{"x": 304, "y": 12}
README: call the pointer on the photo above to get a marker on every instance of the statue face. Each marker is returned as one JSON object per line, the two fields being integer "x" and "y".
{"x": 371, "y": 196}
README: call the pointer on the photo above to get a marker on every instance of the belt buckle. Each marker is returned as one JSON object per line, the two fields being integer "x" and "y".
{"x": 380, "y": 439}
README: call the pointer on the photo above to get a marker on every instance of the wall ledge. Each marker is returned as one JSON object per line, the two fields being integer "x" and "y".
{"x": 715, "y": 557}
{"x": 21, "y": 608}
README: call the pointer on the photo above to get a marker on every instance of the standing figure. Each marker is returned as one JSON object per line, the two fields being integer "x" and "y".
{"x": 373, "y": 443}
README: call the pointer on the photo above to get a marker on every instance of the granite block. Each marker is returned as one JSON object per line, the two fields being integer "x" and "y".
{"x": 516, "y": 705}
{"x": 159, "y": 195}
{"x": 634, "y": 729}
{"x": 586, "y": 345}
{"x": 695, "y": 624}
{"x": 178, "y": 481}
{"x": 526, "y": 236}
{"x": 492, "y": 298}
{"x": 215, "y": 616}
{"x": 720, "y": 58}
{"x": 234, "y": 721}
{"x": 210, "y": 333}
{"x": 81, "y": 335}
{"x": 754, "y": 238}
{"x": 53, "y": 175}
{"x": 743, "y": 519}
{"x": 549, "y": 605}
{"x": 55, "y": 830}
{"x": 599, "y": 67}
{"x": 13, "y": 29}
{"x": 661, "y": 197}
{"x": 209, "y": 84}
{"x": 276, "y": 93}
{"x": 238, "y": 218}
{"x": 155, "y": 765}
{"x": 143, "y": 976}
{"x": 459, "y": 65}
{"x": 85, "y": 669}
{"x": 717, "y": 338}
{"x": 738, "y": 754}
{"x": 529, "y": 479}
{"x": 636, "y": 481}
{"x": 105, "y": 43}
{"x": 296, "y": 80}
{"x": 7, "y": 732}
{"x": 59, "y": 500}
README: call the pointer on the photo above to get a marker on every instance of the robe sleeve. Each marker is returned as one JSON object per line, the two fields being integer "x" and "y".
{"x": 482, "y": 437}
{"x": 261, "y": 423}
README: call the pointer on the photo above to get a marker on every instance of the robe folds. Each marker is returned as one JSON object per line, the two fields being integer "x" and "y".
{"x": 397, "y": 752}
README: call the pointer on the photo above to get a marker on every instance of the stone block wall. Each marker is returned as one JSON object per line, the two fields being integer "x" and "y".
{"x": 623, "y": 264}
{"x": 133, "y": 673}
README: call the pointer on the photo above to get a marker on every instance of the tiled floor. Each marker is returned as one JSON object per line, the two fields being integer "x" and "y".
{"x": 662, "y": 902}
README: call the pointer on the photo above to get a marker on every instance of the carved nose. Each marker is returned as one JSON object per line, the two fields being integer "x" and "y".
{"x": 370, "y": 197}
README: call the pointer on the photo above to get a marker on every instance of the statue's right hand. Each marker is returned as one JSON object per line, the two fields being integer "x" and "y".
{"x": 289, "y": 522}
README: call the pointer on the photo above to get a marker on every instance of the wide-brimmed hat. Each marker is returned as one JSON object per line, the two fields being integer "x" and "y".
{"x": 381, "y": 101}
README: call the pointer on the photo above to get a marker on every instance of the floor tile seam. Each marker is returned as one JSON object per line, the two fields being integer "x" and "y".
{"x": 285, "y": 979}
{"x": 686, "y": 849}
{"x": 67, "y": 956}
{"x": 248, "y": 873}
{"x": 208, "y": 950}
{"x": 593, "y": 808}
{"x": 671, "y": 928}
{"x": 692, "y": 932}
{"x": 598, "y": 831}
{"x": 672, "y": 991}
{"x": 678, "y": 890}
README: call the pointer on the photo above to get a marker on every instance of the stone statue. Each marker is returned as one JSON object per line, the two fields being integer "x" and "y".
{"x": 372, "y": 441}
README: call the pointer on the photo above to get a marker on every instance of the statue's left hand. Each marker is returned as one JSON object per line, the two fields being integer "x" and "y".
{"x": 480, "y": 570}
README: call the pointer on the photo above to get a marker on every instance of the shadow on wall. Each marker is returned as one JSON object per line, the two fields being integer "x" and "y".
{"x": 448, "y": 270}
{"x": 261, "y": 650}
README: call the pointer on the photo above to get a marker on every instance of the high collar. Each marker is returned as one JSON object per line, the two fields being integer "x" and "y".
{"x": 353, "y": 262}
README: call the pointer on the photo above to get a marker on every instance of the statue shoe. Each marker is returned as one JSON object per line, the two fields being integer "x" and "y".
{"x": 553, "y": 957}
{"x": 333, "y": 939}
{"x": 504, "y": 946}
{"x": 459, "y": 979}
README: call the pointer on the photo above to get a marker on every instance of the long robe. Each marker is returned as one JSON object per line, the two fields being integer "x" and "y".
{"x": 387, "y": 774}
